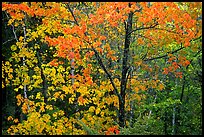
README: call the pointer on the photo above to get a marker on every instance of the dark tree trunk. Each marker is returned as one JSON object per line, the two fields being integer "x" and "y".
{"x": 178, "y": 118}
{"x": 44, "y": 89}
{"x": 128, "y": 27}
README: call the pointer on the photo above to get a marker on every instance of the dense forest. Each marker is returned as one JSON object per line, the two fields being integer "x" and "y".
{"x": 83, "y": 68}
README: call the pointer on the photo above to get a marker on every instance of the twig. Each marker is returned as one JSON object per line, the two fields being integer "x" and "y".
{"x": 172, "y": 52}
{"x": 8, "y": 41}
{"x": 141, "y": 28}
{"x": 13, "y": 29}
{"x": 72, "y": 14}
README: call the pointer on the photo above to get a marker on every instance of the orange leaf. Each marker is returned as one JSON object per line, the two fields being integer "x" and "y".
{"x": 187, "y": 43}
{"x": 161, "y": 86}
{"x": 165, "y": 71}
{"x": 136, "y": 89}
{"x": 54, "y": 62}
{"x": 187, "y": 62}
{"x": 71, "y": 55}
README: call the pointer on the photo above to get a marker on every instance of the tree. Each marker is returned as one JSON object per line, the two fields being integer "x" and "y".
{"x": 93, "y": 61}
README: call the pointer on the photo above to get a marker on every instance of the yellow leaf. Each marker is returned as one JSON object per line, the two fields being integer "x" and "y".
{"x": 15, "y": 120}
{"x": 21, "y": 38}
{"x": 16, "y": 89}
{"x": 91, "y": 109}
{"x": 62, "y": 96}
{"x": 98, "y": 111}
{"x": 7, "y": 63}
{"x": 38, "y": 96}
{"x": 10, "y": 118}
{"x": 161, "y": 86}
{"x": 10, "y": 21}
{"x": 71, "y": 100}
{"x": 31, "y": 97}
{"x": 49, "y": 107}
{"x": 102, "y": 114}
{"x": 21, "y": 87}
{"x": 13, "y": 47}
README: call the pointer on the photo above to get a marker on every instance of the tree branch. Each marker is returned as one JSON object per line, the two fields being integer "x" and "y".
{"x": 141, "y": 28}
{"x": 104, "y": 68}
{"x": 193, "y": 58}
{"x": 43, "y": 77}
{"x": 108, "y": 74}
{"x": 172, "y": 52}
{"x": 166, "y": 30}
{"x": 13, "y": 29}
{"x": 72, "y": 14}
{"x": 8, "y": 41}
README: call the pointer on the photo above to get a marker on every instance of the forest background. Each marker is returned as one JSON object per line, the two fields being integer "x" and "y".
{"x": 102, "y": 68}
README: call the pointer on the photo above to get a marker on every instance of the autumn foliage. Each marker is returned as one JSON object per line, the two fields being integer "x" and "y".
{"x": 86, "y": 60}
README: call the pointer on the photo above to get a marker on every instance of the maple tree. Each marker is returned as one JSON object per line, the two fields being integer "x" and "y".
{"x": 93, "y": 61}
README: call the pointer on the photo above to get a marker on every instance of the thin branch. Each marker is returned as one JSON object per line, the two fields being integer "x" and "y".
{"x": 8, "y": 41}
{"x": 182, "y": 90}
{"x": 130, "y": 71}
{"x": 137, "y": 10}
{"x": 172, "y": 52}
{"x": 42, "y": 76}
{"x": 193, "y": 58}
{"x": 24, "y": 87}
{"x": 196, "y": 38}
{"x": 72, "y": 14}
{"x": 144, "y": 36}
{"x": 125, "y": 25}
{"x": 13, "y": 29}
{"x": 108, "y": 74}
{"x": 141, "y": 28}
{"x": 104, "y": 68}
{"x": 70, "y": 21}
{"x": 166, "y": 30}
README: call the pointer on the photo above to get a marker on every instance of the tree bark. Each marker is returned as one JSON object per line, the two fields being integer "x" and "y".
{"x": 45, "y": 86}
{"x": 128, "y": 27}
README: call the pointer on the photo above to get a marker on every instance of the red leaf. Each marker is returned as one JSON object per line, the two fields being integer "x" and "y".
{"x": 71, "y": 55}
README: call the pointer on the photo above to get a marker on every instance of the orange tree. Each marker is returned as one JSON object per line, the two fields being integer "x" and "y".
{"x": 92, "y": 61}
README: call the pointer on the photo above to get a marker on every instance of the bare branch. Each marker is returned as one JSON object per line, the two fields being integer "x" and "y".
{"x": 8, "y": 41}
{"x": 13, "y": 29}
{"x": 172, "y": 52}
{"x": 141, "y": 28}
{"x": 72, "y": 14}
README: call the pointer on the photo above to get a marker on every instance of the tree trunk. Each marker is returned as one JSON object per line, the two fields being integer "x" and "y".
{"x": 128, "y": 27}
{"x": 178, "y": 118}
{"x": 173, "y": 121}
